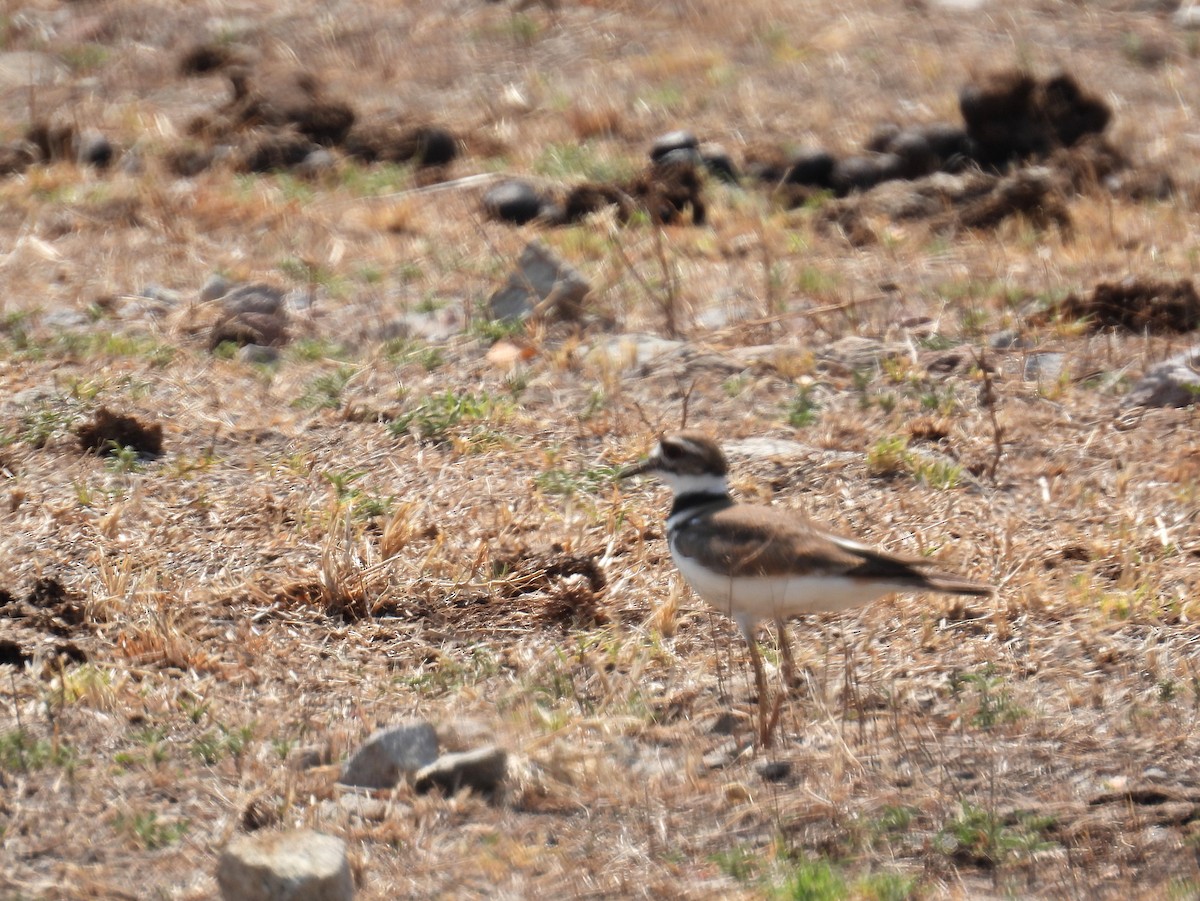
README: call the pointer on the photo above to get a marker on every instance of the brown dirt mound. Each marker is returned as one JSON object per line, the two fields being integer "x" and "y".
{"x": 1138, "y": 305}
{"x": 109, "y": 431}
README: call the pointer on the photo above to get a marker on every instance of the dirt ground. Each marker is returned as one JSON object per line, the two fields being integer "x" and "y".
{"x": 221, "y": 564}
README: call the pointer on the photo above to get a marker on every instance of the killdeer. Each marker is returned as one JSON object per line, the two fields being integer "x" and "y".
{"x": 755, "y": 563}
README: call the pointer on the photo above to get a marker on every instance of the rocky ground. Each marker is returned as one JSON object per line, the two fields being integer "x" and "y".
{"x": 325, "y": 330}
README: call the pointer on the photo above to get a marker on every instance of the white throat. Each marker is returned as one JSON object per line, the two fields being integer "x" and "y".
{"x": 703, "y": 483}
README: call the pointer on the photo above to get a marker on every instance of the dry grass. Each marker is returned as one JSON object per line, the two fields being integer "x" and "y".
{"x": 297, "y": 568}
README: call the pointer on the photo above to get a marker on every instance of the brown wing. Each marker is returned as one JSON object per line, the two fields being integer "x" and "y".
{"x": 749, "y": 540}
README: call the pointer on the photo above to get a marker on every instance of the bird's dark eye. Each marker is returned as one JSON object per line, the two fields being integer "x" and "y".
{"x": 671, "y": 450}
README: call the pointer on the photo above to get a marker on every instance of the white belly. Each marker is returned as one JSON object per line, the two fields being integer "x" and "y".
{"x": 750, "y": 599}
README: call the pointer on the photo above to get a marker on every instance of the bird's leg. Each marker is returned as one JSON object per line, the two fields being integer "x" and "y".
{"x": 787, "y": 661}
{"x": 760, "y": 681}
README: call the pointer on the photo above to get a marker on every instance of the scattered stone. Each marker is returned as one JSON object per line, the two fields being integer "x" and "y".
{"x": 94, "y": 150}
{"x": 481, "y": 770}
{"x": 542, "y": 286}
{"x": 514, "y": 200}
{"x": 391, "y": 753}
{"x": 718, "y": 162}
{"x": 773, "y": 770}
{"x": 215, "y": 288}
{"x": 109, "y": 432}
{"x": 1044, "y": 367}
{"x": 299, "y": 865}
{"x": 763, "y": 448}
{"x": 1138, "y": 305}
{"x": 855, "y": 353}
{"x": 1173, "y": 383}
{"x": 258, "y": 354}
{"x": 23, "y": 68}
{"x": 64, "y": 320}
{"x": 672, "y": 142}
{"x": 254, "y": 298}
{"x": 723, "y": 755}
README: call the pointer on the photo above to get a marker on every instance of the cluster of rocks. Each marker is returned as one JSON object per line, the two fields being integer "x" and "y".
{"x": 411, "y": 751}
{"x": 288, "y": 120}
{"x": 53, "y": 141}
{"x": 666, "y": 191}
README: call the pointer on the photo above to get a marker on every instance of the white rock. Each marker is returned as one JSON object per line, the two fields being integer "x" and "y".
{"x": 300, "y": 865}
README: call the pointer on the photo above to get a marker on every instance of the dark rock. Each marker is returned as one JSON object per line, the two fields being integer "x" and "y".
{"x": 861, "y": 173}
{"x": 241, "y": 329}
{"x": 915, "y": 154}
{"x": 481, "y": 770}
{"x": 257, "y": 297}
{"x": 201, "y": 59}
{"x": 11, "y": 654}
{"x": 814, "y": 168}
{"x": 514, "y": 200}
{"x": 773, "y": 770}
{"x": 274, "y": 150}
{"x": 95, "y": 150}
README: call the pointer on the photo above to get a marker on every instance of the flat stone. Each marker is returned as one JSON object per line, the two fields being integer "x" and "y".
{"x": 541, "y": 284}
{"x": 1044, "y": 367}
{"x": 391, "y": 753}
{"x": 631, "y": 350}
{"x": 481, "y": 770}
{"x": 254, "y": 298}
{"x": 259, "y": 354}
{"x": 19, "y": 68}
{"x": 764, "y": 448}
{"x": 1175, "y": 382}
{"x": 298, "y": 865}
{"x": 673, "y": 142}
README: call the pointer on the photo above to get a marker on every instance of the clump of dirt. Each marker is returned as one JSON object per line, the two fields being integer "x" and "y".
{"x": 666, "y": 192}
{"x": 1011, "y": 116}
{"x": 207, "y": 57}
{"x": 1138, "y": 305}
{"x": 109, "y": 432}
{"x": 294, "y": 99}
{"x": 569, "y": 585}
{"x": 1031, "y": 192}
{"x": 391, "y": 139}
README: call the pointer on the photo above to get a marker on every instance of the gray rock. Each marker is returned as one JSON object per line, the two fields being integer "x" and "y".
{"x": 543, "y": 285}
{"x": 673, "y": 142}
{"x": 259, "y": 354}
{"x": 1175, "y": 382}
{"x": 299, "y": 865}
{"x": 481, "y": 770}
{"x": 391, "y": 753}
{"x": 255, "y": 298}
{"x": 216, "y": 287}
{"x": 66, "y": 319}
{"x": 1045, "y": 367}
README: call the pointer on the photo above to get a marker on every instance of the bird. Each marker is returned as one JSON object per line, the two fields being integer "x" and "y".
{"x": 755, "y": 562}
